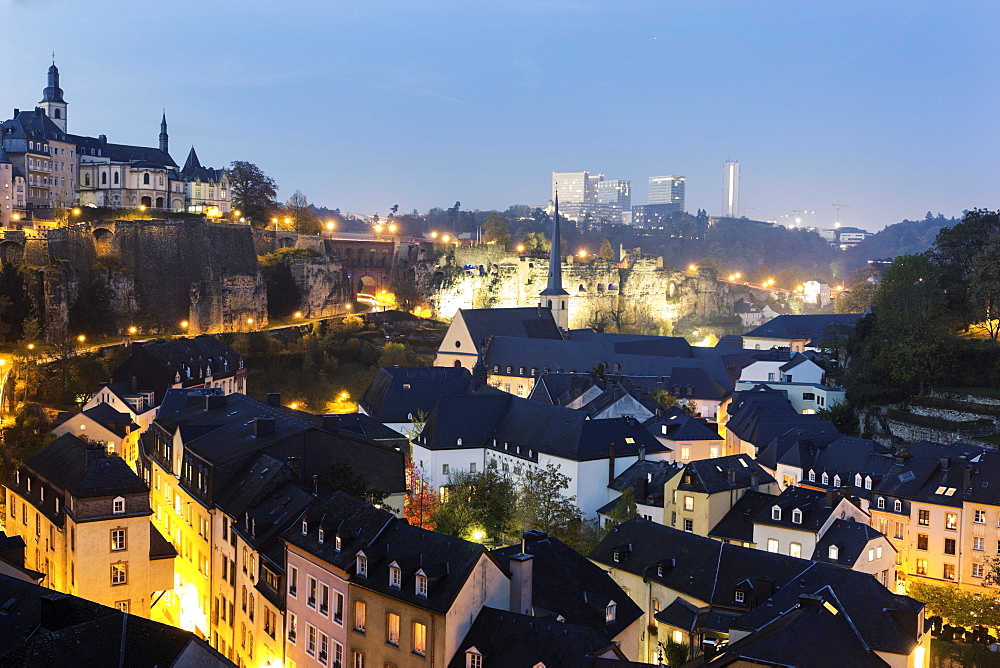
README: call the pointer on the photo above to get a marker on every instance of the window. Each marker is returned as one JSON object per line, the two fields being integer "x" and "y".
{"x": 688, "y": 503}
{"x": 949, "y": 545}
{"x": 324, "y": 599}
{"x": 949, "y": 572}
{"x": 336, "y": 543}
{"x": 772, "y": 544}
{"x": 419, "y": 639}
{"x": 977, "y": 570}
{"x": 359, "y": 660}
{"x": 980, "y": 517}
{"x": 897, "y": 530}
{"x": 978, "y": 543}
{"x": 118, "y": 505}
{"x": 775, "y": 513}
{"x": 922, "y": 541}
{"x": 119, "y": 573}
{"x": 293, "y": 581}
{"x": 338, "y": 655}
{"x": 833, "y": 553}
{"x": 421, "y": 585}
{"x": 713, "y": 452}
{"x": 360, "y": 613}
{"x": 392, "y": 629}
{"x": 836, "y": 481}
{"x": 868, "y": 482}
{"x": 395, "y": 576}
{"x": 122, "y": 606}
{"x": 444, "y": 469}
{"x": 796, "y": 516}
{"x": 473, "y": 659}
{"x": 320, "y": 536}
{"x": 118, "y": 540}
{"x": 880, "y": 503}
{"x": 897, "y": 506}
{"x": 951, "y": 521}
{"x": 311, "y": 590}
{"x": 921, "y": 567}
{"x": 270, "y": 622}
{"x": 338, "y": 607}
{"x": 924, "y": 517}
{"x": 293, "y": 628}
{"x": 871, "y": 554}
{"x": 324, "y": 648}
{"x": 362, "y": 565}
{"x": 688, "y": 525}
{"x": 812, "y": 476}
{"x": 310, "y": 639}
{"x": 857, "y": 480}
{"x": 609, "y": 613}
{"x": 685, "y": 453}
{"x": 739, "y": 596}
{"x": 826, "y": 481}
{"x": 795, "y": 550}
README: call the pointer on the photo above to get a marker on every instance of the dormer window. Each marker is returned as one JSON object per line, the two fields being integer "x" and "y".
{"x": 362, "y": 565}
{"x": 336, "y": 543}
{"x": 57, "y": 505}
{"x": 897, "y": 505}
{"x": 834, "y": 553}
{"x": 659, "y": 570}
{"x": 796, "y": 516}
{"x": 857, "y": 480}
{"x": 118, "y": 505}
{"x": 826, "y": 479}
{"x": 29, "y": 484}
{"x": 775, "y": 513}
{"x": 868, "y": 482}
{"x": 305, "y": 527}
{"x": 739, "y": 596}
{"x": 609, "y": 613}
{"x": 395, "y": 576}
{"x": 836, "y": 481}
{"x": 473, "y": 659}
{"x": 41, "y": 494}
{"x": 17, "y": 477}
{"x": 421, "y": 586}
{"x": 812, "y": 476}
{"x": 880, "y": 502}
{"x": 321, "y": 535}
{"x": 616, "y": 556}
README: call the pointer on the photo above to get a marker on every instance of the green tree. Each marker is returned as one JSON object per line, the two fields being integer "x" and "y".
{"x": 536, "y": 242}
{"x": 304, "y": 218}
{"x": 495, "y": 230}
{"x": 858, "y": 299}
{"x": 665, "y": 400}
{"x": 606, "y": 252}
{"x": 483, "y": 501}
{"x": 957, "y": 606}
{"x": 624, "y": 510}
{"x": 29, "y": 433}
{"x": 953, "y": 253}
{"x": 984, "y": 288}
{"x": 253, "y": 192}
{"x": 15, "y": 304}
{"x": 541, "y": 503}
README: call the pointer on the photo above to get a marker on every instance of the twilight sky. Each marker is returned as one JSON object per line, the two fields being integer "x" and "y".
{"x": 890, "y": 107}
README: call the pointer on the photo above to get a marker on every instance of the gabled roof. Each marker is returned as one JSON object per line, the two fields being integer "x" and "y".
{"x": 815, "y": 506}
{"x": 106, "y": 416}
{"x": 677, "y": 425}
{"x": 565, "y": 583}
{"x": 810, "y": 328}
{"x": 737, "y": 523}
{"x": 83, "y": 470}
{"x": 943, "y": 474}
{"x": 710, "y": 476}
{"x": 399, "y": 394}
{"x": 761, "y": 414}
{"x": 124, "y": 153}
{"x": 33, "y": 124}
{"x": 521, "y": 322}
{"x": 851, "y": 539}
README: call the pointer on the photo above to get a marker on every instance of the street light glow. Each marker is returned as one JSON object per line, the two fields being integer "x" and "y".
{"x": 81, "y": 338}
{"x": 692, "y": 267}
{"x": 184, "y": 324}
{"x": 132, "y": 330}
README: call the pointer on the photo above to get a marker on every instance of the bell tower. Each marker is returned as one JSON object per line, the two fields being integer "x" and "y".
{"x": 52, "y": 98}
{"x": 164, "y": 139}
{"x": 553, "y": 297}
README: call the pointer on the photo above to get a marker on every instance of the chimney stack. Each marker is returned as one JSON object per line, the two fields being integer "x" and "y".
{"x": 295, "y": 463}
{"x": 520, "y": 583}
{"x": 831, "y": 498}
{"x": 642, "y": 453}
{"x": 53, "y": 609}
{"x": 214, "y": 401}
{"x": 945, "y": 463}
{"x": 966, "y": 477}
{"x": 262, "y": 426}
{"x": 274, "y": 398}
{"x": 331, "y": 423}
{"x": 611, "y": 464}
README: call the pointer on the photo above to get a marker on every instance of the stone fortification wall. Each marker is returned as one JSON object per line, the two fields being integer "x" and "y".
{"x": 324, "y": 290}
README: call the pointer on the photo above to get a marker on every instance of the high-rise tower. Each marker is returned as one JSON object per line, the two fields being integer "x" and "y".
{"x": 553, "y": 296}
{"x": 52, "y": 99}
{"x": 731, "y": 189}
{"x": 667, "y": 190}
{"x": 164, "y": 140}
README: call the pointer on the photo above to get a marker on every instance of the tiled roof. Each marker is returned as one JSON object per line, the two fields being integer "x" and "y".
{"x": 522, "y": 322}
{"x": 400, "y": 394}
{"x": 812, "y": 328}
{"x": 82, "y": 470}
{"x": 646, "y": 478}
{"x": 737, "y": 523}
{"x": 721, "y": 474}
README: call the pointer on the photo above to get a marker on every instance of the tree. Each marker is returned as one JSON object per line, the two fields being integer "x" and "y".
{"x": 858, "y": 299}
{"x": 253, "y": 192}
{"x": 606, "y": 252}
{"x": 665, "y": 400}
{"x": 495, "y": 230}
{"x": 957, "y": 606}
{"x": 984, "y": 288}
{"x": 304, "y": 219}
{"x": 536, "y": 242}
{"x": 29, "y": 433}
{"x": 624, "y": 510}
{"x": 541, "y": 504}
{"x": 953, "y": 253}
{"x": 342, "y": 477}
{"x": 420, "y": 501}
{"x": 482, "y": 501}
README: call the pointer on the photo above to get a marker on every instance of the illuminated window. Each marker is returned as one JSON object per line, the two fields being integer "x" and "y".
{"x": 949, "y": 572}
{"x": 293, "y": 628}
{"x": 360, "y": 616}
{"x": 609, "y": 613}
{"x": 117, "y": 540}
{"x": 924, "y": 517}
{"x": 419, "y": 638}
{"x": 122, "y": 606}
{"x": 772, "y": 545}
{"x": 794, "y": 550}
{"x": 688, "y": 503}
{"x": 980, "y": 517}
{"x": 951, "y": 521}
{"x": 119, "y": 573}
{"x": 921, "y": 567}
{"x": 392, "y": 629}
{"x": 473, "y": 659}
{"x": 833, "y": 553}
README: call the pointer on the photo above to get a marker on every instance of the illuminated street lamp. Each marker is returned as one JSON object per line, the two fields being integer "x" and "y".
{"x": 692, "y": 267}
{"x": 434, "y": 235}
{"x": 133, "y": 330}
{"x": 582, "y": 254}
{"x": 298, "y": 314}
{"x": 81, "y": 338}
{"x": 76, "y": 212}
{"x": 31, "y": 346}
{"x": 249, "y": 321}
{"x": 446, "y": 238}
{"x": 184, "y": 324}
{"x": 520, "y": 248}
{"x": 392, "y": 228}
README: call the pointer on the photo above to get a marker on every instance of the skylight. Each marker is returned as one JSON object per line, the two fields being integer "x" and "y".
{"x": 744, "y": 463}
{"x": 949, "y": 491}
{"x": 940, "y": 490}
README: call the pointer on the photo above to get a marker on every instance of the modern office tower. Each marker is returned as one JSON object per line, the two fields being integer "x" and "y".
{"x": 576, "y": 187}
{"x": 731, "y": 189}
{"x": 616, "y": 197}
{"x": 667, "y": 190}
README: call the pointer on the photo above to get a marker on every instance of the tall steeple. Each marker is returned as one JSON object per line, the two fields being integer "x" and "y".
{"x": 164, "y": 140}
{"x": 553, "y": 296}
{"x": 52, "y": 98}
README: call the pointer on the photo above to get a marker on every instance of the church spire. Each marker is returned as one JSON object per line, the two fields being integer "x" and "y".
{"x": 52, "y": 98}
{"x": 164, "y": 139}
{"x": 553, "y": 297}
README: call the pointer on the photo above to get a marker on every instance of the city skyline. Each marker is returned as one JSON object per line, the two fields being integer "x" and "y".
{"x": 422, "y": 104}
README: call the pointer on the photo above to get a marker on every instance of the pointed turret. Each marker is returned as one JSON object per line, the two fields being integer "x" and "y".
{"x": 553, "y": 296}
{"x": 164, "y": 139}
{"x": 52, "y": 99}
{"x": 191, "y": 165}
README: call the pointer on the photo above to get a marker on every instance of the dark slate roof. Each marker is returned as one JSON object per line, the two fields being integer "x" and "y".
{"x": 566, "y": 584}
{"x": 809, "y": 327}
{"x": 813, "y": 504}
{"x": 177, "y": 399}
{"x": 809, "y": 629}
{"x": 356, "y": 522}
{"x": 737, "y": 524}
{"x": 159, "y": 546}
{"x": 646, "y": 478}
{"x": 761, "y": 414}
{"x": 482, "y": 418}
{"x": 519, "y": 641}
{"x": 89, "y": 635}
{"x": 521, "y": 322}
{"x": 681, "y": 427}
{"x": 851, "y": 539}
{"x": 123, "y": 152}
{"x": 711, "y": 571}
{"x": 370, "y": 428}
{"x": 69, "y": 464}
{"x": 722, "y": 474}
{"x": 106, "y": 416}
{"x": 399, "y": 394}
{"x": 194, "y": 352}
{"x": 33, "y": 124}
{"x": 943, "y": 474}
{"x": 194, "y": 171}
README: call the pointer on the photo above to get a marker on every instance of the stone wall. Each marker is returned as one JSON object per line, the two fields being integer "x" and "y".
{"x": 321, "y": 280}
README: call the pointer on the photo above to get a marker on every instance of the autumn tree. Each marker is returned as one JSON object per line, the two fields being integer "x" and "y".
{"x": 304, "y": 219}
{"x": 254, "y": 193}
{"x": 495, "y": 230}
{"x": 606, "y": 252}
{"x": 420, "y": 501}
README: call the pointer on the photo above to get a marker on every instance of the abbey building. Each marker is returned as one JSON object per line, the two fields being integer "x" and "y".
{"x": 43, "y": 166}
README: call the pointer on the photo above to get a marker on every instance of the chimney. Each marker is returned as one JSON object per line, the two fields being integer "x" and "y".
{"x": 315, "y": 484}
{"x": 214, "y": 401}
{"x": 295, "y": 463}
{"x": 611, "y": 463}
{"x": 94, "y": 452}
{"x": 274, "y": 398}
{"x": 103, "y": 138}
{"x": 731, "y": 475}
{"x": 763, "y": 589}
{"x": 263, "y": 427}
{"x": 643, "y": 492}
{"x": 810, "y": 602}
{"x": 831, "y": 498}
{"x": 520, "y": 583}
{"x": 16, "y": 112}
{"x": 945, "y": 463}
{"x": 135, "y": 385}
{"x": 966, "y": 477}
{"x": 331, "y": 423}
{"x": 53, "y": 610}
{"x": 642, "y": 453}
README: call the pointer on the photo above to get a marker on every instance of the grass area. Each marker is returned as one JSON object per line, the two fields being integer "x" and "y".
{"x": 989, "y": 392}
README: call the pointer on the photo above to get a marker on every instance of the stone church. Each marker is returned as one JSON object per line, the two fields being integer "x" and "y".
{"x": 59, "y": 169}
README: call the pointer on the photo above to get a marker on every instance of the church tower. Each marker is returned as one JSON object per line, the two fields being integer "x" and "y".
{"x": 52, "y": 99}
{"x": 553, "y": 296}
{"x": 164, "y": 140}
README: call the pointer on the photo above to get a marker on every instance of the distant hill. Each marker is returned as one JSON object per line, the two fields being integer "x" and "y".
{"x": 907, "y": 237}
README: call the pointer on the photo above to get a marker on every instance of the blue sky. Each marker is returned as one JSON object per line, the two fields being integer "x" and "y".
{"x": 890, "y": 107}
